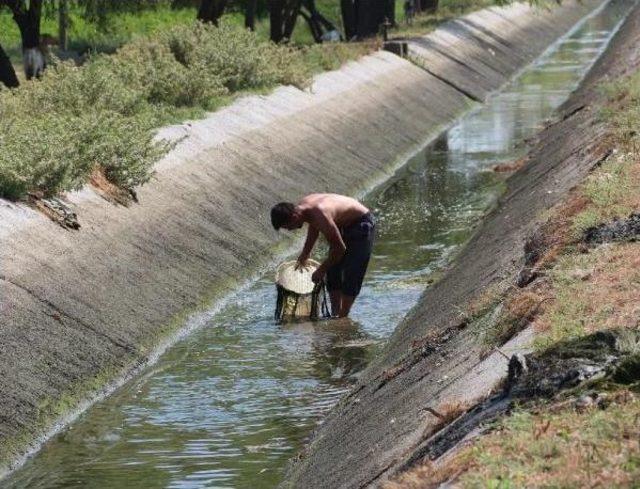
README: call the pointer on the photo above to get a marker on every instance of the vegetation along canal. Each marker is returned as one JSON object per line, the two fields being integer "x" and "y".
{"x": 230, "y": 404}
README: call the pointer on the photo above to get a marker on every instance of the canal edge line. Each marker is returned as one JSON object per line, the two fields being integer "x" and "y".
{"x": 82, "y": 309}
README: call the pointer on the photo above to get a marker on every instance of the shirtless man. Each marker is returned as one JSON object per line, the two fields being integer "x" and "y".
{"x": 348, "y": 227}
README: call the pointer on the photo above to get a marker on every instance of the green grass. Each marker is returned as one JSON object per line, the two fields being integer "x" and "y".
{"x": 121, "y": 27}
{"x": 87, "y": 35}
{"x": 612, "y": 190}
{"x": 100, "y": 115}
{"x": 583, "y": 290}
{"x": 547, "y": 446}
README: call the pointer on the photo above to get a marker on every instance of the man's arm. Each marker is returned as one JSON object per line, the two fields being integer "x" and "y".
{"x": 327, "y": 226}
{"x": 312, "y": 237}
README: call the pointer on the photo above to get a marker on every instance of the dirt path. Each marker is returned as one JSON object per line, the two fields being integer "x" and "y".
{"x": 430, "y": 357}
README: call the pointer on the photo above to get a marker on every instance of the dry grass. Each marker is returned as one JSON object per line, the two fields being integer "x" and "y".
{"x": 593, "y": 291}
{"x": 523, "y": 304}
{"x": 426, "y": 476}
{"x": 445, "y": 413}
{"x": 561, "y": 449}
{"x": 555, "y": 446}
{"x": 557, "y": 230}
{"x": 485, "y": 301}
{"x": 429, "y": 475}
{"x": 108, "y": 190}
{"x": 558, "y": 446}
{"x": 520, "y": 308}
{"x": 612, "y": 191}
{"x": 511, "y": 166}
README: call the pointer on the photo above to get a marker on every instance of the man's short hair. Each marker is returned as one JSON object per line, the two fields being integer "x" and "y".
{"x": 281, "y": 214}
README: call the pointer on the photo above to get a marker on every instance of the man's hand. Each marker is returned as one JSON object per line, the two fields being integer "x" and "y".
{"x": 302, "y": 261}
{"x": 318, "y": 275}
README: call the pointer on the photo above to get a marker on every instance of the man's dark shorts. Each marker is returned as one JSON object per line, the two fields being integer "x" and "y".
{"x": 347, "y": 276}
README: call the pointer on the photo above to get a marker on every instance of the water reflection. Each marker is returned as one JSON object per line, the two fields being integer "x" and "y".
{"x": 340, "y": 347}
{"x": 230, "y": 404}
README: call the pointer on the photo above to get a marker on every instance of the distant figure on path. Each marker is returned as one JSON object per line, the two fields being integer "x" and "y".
{"x": 349, "y": 228}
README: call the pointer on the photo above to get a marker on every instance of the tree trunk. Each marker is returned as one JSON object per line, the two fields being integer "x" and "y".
{"x": 178, "y": 4}
{"x": 291, "y": 16}
{"x": 371, "y": 15}
{"x": 391, "y": 12}
{"x": 250, "y": 14}
{"x": 210, "y": 11}
{"x": 349, "y": 19}
{"x": 276, "y": 19}
{"x": 63, "y": 24}
{"x": 363, "y": 18}
{"x": 28, "y": 20}
{"x": 283, "y": 15}
{"x": 316, "y": 32}
{"x": 7, "y": 73}
{"x": 318, "y": 24}
{"x": 429, "y": 6}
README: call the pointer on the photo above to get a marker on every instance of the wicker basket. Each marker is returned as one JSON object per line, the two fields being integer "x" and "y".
{"x": 298, "y": 296}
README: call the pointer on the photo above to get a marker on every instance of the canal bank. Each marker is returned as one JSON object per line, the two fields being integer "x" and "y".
{"x": 80, "y": 309}
{"x": 436, "y": 364}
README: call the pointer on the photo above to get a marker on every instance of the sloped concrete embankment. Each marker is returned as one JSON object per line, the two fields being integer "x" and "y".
{"x": 435, "y": 357}
{"x": 81, "y": 308}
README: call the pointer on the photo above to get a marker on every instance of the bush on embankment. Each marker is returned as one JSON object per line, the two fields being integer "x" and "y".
{"x": 56, "y": 131}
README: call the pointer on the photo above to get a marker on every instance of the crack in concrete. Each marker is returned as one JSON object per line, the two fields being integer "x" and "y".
{"x": 464, "y": 92}
{"x": 431, "y": 45}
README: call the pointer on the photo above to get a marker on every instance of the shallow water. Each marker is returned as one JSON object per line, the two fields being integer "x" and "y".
{"x": 230, "y": 404}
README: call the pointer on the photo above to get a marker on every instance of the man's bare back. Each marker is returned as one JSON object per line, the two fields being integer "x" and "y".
{"x": 341, "y": 209}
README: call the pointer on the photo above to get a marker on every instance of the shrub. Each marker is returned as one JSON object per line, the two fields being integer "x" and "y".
{"x": 57, "y": 152}
{"x": 149, "y": 67}
{"x": 66, "y": 88}
{"x": 236, "y": 56}
{"x": 55, "y": 131}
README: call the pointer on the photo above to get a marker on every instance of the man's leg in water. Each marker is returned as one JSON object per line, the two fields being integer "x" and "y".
{"x": 336, "y": 302}
{"x": 345, "y": 305}
{"x": 334, "y": 286}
